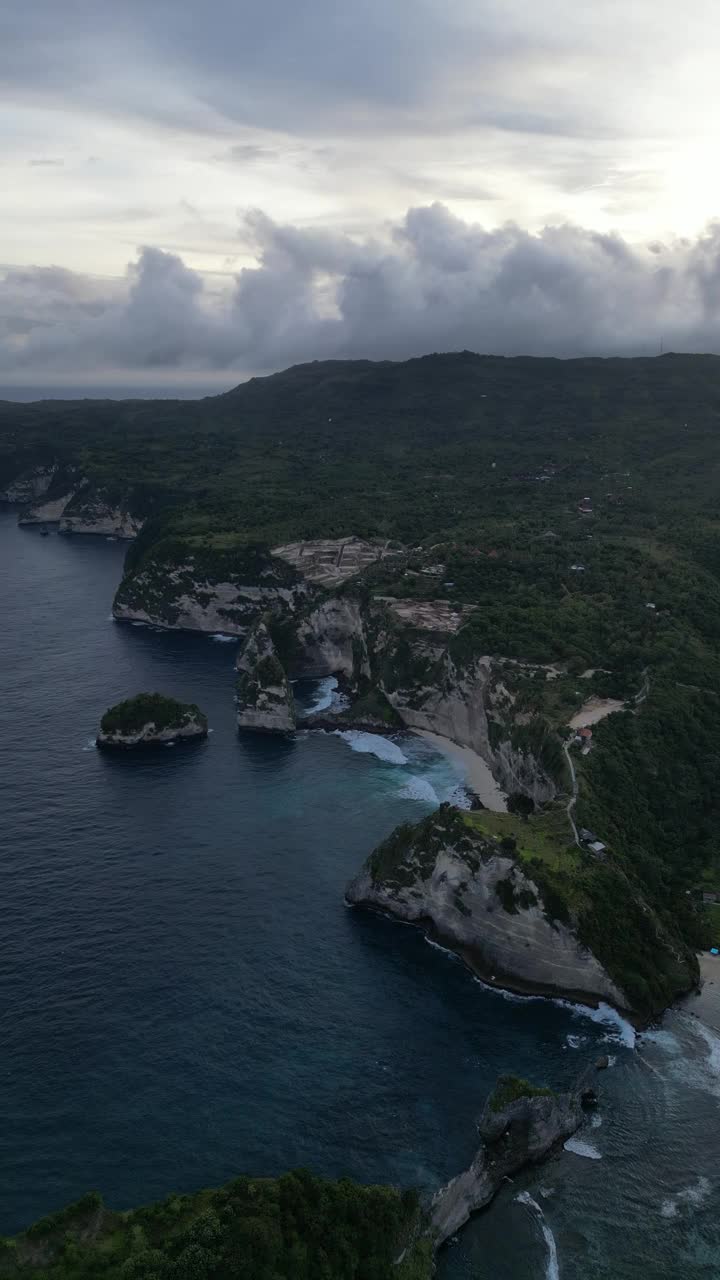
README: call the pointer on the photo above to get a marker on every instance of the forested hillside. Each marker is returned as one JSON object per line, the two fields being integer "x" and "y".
{"x": 570, "y": 508}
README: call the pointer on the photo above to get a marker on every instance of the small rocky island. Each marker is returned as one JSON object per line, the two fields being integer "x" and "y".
{"x": 150, "y": 719}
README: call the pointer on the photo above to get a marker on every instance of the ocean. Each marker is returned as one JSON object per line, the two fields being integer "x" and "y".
{"x": 184, "y": 995}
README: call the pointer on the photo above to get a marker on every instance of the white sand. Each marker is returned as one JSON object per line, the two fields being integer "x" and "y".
{"x": 706, "y": 1005}
{"x": 477, "y": 773}
{"x": 593, "y": 710}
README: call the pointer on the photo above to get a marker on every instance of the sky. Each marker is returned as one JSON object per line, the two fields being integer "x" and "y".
{"x": 219, "y": 188}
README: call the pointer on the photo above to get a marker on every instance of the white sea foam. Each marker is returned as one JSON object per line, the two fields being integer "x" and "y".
{"x": 622, "y": 1033}
{"x": 459, "y": 797}
{"x": 552, "y": 1269}
{"x": 372, "y": 744}
{"x": 693, "y": 1067}
{"x": 579, "y": 1147}
{"x": 664, "y": 1040}
{"x": 90, "y": 745}
{"x": 437, "y": 947}
{"x": 596, "y": 1121}
{"x": 575, "y": 1042}
{"x": 419, "y": 789}
{"x": 689, "y": 1198}
{"x": 138, "y": 624}
{"x": 223, "y": 639}
{"x": 325, "y": 695}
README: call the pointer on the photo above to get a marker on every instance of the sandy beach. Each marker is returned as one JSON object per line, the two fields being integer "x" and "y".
{"x": 706, "y": 1005}
{"x": 477, "y": 773}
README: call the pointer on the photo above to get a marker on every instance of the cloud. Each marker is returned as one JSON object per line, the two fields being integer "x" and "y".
{"x": 433, "y": 282}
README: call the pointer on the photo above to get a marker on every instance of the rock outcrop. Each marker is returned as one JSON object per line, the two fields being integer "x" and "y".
{"x": 210, "y": 591}
{"x": 150, "y": 720}
{"x": 94, "y": 511}
{"x": 264, "y": 695}
{"x": 514, "y": 1134}
{"x": 477, "y": 898}
{"x": 30, "y": 485}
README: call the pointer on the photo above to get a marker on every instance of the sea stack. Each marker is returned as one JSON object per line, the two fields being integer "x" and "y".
{"x": 264, "y": 696}
{"x": 150, "y": 719}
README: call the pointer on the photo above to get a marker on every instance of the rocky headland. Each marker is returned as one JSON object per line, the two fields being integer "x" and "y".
{"x": 264, "y": 695}
{"x": 148, "y": 720}
{"x": 520, "y": 1125}
{"x": 499, "y": 901}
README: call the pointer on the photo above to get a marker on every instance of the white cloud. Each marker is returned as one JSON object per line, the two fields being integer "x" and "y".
{"x": 433, "y": 282}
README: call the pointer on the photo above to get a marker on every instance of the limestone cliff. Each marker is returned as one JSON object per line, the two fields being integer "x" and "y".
{"x": 30, "y": 485}
{"x": 476, "y": 897}
{"x": 520, "y": 1125}
{"x": 264, "y": 696}
{"x": 210, "y": 591}
{"x": 92, "y": 510}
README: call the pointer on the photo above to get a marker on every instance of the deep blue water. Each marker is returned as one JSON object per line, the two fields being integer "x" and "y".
{"x": 184, "y": 995}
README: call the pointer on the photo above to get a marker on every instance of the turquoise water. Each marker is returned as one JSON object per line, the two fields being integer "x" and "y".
{"x": 184, "y": 995}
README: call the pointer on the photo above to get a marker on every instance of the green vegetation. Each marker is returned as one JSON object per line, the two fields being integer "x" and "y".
{"x": 479, "y": 466}
{"x": 130, "y": 716}
{"x": 297, "y": 1227}
{"x": 510, "y": 1088}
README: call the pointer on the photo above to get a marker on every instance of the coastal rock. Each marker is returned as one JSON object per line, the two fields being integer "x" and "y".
{"x": 94, "y": 511}
{"x": 462, "y": 704}
{"x": 210, "y": 591}
{"x": 515, "y": 1133}
{"x": 264, "y": 695}
{"x": 149, "y": 719}
{"x": 30, "y": 485}
{"x": 332, "y": 640}
{"x": 475, "y": 897}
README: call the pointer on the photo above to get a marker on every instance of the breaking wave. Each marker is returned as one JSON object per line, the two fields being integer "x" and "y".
{"x": 579, "y": 1147}
{"x": 324, "y": 695}
{"x": 372, "y": 744}
{"x": 552, "y": 1269}
{"x": 221, "y": 638}
{"x": 419, "y": 789}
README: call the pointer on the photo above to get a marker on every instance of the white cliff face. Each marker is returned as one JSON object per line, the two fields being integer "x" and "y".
{"x": 181, "y": 598}
{"x": 264, "y": 696}
{"x": 459, "y": 706}
{"x": 149, "y": 734}
{"x": 333, "y": 640}
{"x": 112, "y": 522}
{"x": 31, "y": 485}
{"x": 45, "y": 512}
{"x": 453, "y": 889}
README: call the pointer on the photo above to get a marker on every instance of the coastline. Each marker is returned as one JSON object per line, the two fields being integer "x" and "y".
{"x": 705, "y": 1003}
{"x": 479, "y": 778}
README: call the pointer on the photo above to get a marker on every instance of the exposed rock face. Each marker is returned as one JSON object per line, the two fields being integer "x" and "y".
{"x": 150, "y": 720}
{"x": 197, "y": 596}
{"x": 332, "y": 640}
{"x": 443, "y": 875}
{"x": 460, "y": 705}
{"x": 93, "y": 511}
{"x": 30, "y": 485}
{"x": 265, "y": 699}
{"x": 513, "y": 1136}
{"x": 47, "y": 511}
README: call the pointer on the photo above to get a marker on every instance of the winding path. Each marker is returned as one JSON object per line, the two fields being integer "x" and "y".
{"x": 573, "y": 799}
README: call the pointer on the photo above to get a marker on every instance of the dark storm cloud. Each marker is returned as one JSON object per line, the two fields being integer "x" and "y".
{"x": 436, "y": 283}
